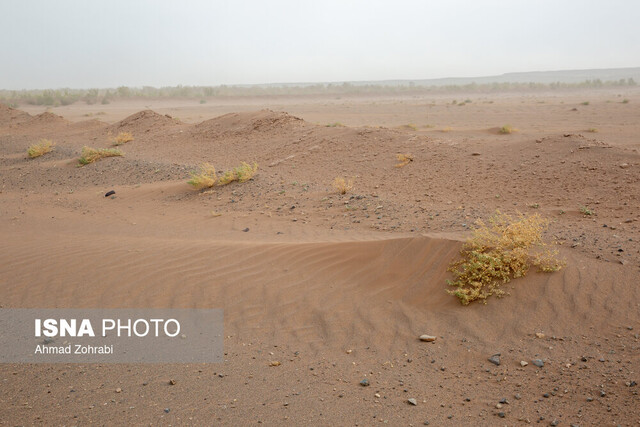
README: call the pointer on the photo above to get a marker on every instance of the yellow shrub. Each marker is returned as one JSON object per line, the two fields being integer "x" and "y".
{"x": 205, "y": 178}
{"x": 503, "y": 249}
{"x": 404, "y": 159}
{"x": 43, "y": 146}
{"x": 122, "y": 138}
{"x": 342, "y": 186}
{"x": 507, "y": 129}
{"x": 90, "y": 155}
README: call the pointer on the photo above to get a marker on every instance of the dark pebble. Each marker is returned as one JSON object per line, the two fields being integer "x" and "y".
{"x": 110, "y": 193}
{"x": 364, "y": 383}
{"x": 538, "y": 362}
{"x": 501, "y": 414}
{"x": 167, "y": 410}
{"x": 246, "y": 229}
{"x": 495, "y": 359}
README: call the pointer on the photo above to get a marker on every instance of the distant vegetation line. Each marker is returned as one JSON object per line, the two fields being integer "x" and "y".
{"x": 57, "y": 97}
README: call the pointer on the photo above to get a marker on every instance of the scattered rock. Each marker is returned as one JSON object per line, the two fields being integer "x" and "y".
{"x": 501, "y": 414}
{"x": 539, "y": 335}
{"x": 495, "y": 359}
{"x": 246, "y": 229}
{"x": 274, "y": 363}
{"x": 427, "y": 338}
{"x": 167, "y": 410}
{"x": 523, "y": 363}
{"x": 413, "y": 401}
{"x": 538, "y": 362}
{"x": 172, "y": 382}
{"x": 118, "y": 390}
{"x": 364, "y": 383}
{"x": 110, "y": 193}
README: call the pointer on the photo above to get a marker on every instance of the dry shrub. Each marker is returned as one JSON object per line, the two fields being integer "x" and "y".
{"x": 122, "y": 138}
{"x": 503, "y": 249}
{"x": 90, "y": 155}
{"x": 206, "y": 177}
{"x": 242, "y": 173}
{"x": 43, "y": 146}
{"x": 341, "y": 185}
{"x": 507, "y": 129}
{"x": 404, "y": 160}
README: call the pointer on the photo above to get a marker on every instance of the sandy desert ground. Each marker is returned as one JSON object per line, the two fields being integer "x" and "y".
{"x": 337, "y": 288}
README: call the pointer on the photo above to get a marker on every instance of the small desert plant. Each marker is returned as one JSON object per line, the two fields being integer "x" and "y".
{"x": 592, "y": 130}
{"x": 242, "y": 173}
{"x": 335, "y": 125}
{"x": 341, "y": 185}
{"x": 43, "y": 146}
{"x": 586, "y": 211}
{"x": 585, "y": 103}
{"x": 122, "y": 138}
{"x": 205, "y": 178}
{"x": 411, "y": 126}
{"x": 502, "y": 249}
{"x": 403, "y": 159}
{"x": 507, "y": 129}
{"x": 625, "y": 101}
{"x": 446, "y": 129}
{"x": 90, "y": 155}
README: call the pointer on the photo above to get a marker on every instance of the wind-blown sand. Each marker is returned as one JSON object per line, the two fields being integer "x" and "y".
{"x": 336, "y": 288}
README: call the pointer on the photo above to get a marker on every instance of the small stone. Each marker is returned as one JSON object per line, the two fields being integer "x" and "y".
{"x": 602, "y": 393}
{"x": 546, "y": 395}
{"x": 167, "y": 410}
{"x": 172, "y": 382}
{"x": 274, "y": 363}
{"x": 501, "y": 414}
{"x": 427, "y": 338}
{"x": 539, "y": 335}
{"x": 523, "y": 363}
{"x": 109, "y": 193}
{"x": 118, "y": 390}
{"x": 517, "y": 396}
{"x": 498, "y": 405}
{"x": 413, "y": 401}
{"x": 589, "y": 399}
{"x": 246, "y": 229}
{"x": 364, "y": 383}
{"x": 554, "y": 423}
{"x": 377, "y": 395}
{"x": 495, "y": 359}
{"x": 349, "y": 351}
{"x": 538, "y": 362}
{"x": 504, "y": 401}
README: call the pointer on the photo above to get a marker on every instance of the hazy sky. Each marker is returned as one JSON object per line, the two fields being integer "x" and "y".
{"x": 96, "y": 43}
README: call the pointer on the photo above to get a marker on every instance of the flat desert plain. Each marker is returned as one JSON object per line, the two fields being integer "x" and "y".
{"x": 336, "y": 288}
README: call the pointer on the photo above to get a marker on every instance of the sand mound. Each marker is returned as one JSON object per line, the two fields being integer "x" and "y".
{"x": 247, "y": 123}
{"x": 9, "y": 116}
{"x": 143, "y": 121}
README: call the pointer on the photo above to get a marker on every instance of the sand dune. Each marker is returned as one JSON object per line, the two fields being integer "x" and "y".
{"x": 336, "y": 287}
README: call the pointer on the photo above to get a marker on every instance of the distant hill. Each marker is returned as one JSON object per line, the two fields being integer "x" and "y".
{"x": 545, "y": 77}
